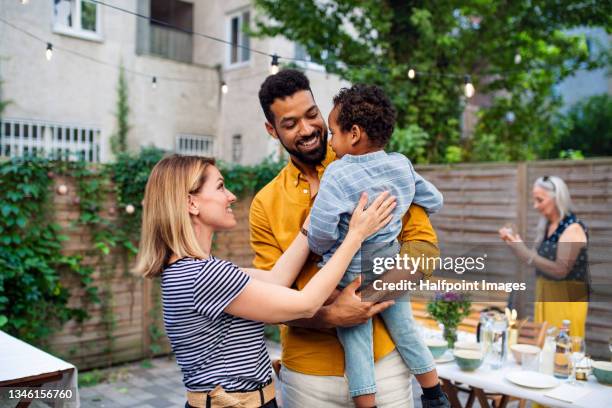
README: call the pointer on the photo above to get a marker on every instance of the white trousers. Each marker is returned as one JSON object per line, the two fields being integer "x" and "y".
{"x": 393, "y": 382}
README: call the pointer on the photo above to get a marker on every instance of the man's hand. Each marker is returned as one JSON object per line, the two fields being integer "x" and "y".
{"x": 349, "y": 310}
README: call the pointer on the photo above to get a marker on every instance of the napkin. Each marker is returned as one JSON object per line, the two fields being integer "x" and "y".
{"x": 567, "y": 393}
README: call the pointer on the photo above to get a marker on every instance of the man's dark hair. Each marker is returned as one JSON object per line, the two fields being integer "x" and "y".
{"x": 366, "y": 106}
{"x": 284, "y": 84}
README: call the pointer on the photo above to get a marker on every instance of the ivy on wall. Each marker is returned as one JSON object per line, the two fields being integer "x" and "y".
{"x": 33, "y": 300}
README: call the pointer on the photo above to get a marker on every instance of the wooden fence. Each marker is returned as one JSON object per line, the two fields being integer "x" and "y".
{"x": 479, "y": 199}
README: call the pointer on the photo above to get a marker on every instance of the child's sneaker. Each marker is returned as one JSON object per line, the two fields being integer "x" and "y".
{"x": 440, "y": 402}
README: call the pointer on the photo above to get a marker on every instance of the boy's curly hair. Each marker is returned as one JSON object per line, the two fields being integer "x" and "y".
{"x": 283, "y": 84}
{"x": 366, "y": 106}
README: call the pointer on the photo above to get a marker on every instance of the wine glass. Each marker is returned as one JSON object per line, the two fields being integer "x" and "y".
{"x": 578, "y": 351}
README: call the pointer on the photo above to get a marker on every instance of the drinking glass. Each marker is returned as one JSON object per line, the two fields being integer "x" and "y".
{"x": 578, "y": 350}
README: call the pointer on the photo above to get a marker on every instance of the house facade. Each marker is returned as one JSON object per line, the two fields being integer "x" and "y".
{"x": 59, "y": 67}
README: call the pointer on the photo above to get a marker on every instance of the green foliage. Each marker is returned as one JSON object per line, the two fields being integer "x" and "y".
{"x": 449, "y": 309}
{"x": 379, "y": 41}
{"x": 272, "y": 332}
{"x": 587, "y": 129}
{"x": 119, "y": 139}
{"x": 33, "y": 301}
{"x": 91, "y": 378}
{"x": 244, "y": 180}
{"x": 411, "y": 142}
{"x": 130, "y": 173}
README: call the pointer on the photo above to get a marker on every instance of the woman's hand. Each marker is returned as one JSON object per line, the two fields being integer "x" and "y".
{"x": 508, "y": 236}
{"x": 366, "y": 222}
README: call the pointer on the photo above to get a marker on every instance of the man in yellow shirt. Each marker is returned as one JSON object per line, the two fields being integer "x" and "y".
{"x": 312, "y": 360}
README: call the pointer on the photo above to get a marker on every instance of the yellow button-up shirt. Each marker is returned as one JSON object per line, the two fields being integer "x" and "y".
{"x": 276, "y": 215}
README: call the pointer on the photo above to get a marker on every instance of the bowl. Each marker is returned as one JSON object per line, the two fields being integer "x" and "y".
{"x": 519, "y": 350}
{"x": 437, "y": 347}
{"x": 602, "y": 370}
{"x": 467, "y": 345}
{"x": 468, "y": 360}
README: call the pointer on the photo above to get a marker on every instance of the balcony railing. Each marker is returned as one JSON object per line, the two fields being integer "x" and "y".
{"x": 63, "y": 141}
{"x": 170, "y": 43}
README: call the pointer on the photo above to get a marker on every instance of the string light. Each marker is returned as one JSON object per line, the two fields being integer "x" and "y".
{"x": 274, "y": 65}
{"x": 154, "y": 82}
{"x": 469, "y": 88}
{"x": 49, "y": 52}
{"x": 411, "y": 73}
{"x": 224, "y": 87}
{"x": 517, "y": 58}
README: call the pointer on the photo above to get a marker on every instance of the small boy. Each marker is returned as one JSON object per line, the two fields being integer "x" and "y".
{"x": 361, "y": 124}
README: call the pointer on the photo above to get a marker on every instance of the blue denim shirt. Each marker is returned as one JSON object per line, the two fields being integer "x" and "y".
{"x": 341, "y": 186}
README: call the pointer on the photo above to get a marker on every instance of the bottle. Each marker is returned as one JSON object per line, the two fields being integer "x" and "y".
{"x": 562, "y": 352}
{"x": 547, "y": 359}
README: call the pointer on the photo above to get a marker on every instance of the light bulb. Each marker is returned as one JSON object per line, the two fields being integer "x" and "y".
{"x": 224, "y": 87}
{"x": 25, "y": 1}
{"x": 411, "y": 73}
{"x": 469, "y": 88}
{"x": 49, "y": 52}
{"x": 274, "y": 65}
{"x": 517, "y": 58}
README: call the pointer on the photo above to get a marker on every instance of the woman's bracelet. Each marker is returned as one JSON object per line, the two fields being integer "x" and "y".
{"x": 304, "y": 231}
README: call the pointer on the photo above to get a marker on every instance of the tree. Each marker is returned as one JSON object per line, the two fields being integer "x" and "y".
{"x": 119, "y": 139}
{"x": 379, "y": 41}
{"x": 587, "y": 128}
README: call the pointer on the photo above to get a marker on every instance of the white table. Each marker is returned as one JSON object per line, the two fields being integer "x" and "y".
{"x": 23, "y": 365}
{"x": 494, "y": 381}
{"x": 600, "y": 396}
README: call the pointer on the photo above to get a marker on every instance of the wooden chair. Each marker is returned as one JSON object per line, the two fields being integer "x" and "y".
{"x": 532, "y": 333}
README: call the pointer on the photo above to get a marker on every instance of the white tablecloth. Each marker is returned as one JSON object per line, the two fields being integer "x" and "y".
{"x": 20, "y": 360}
{"x": 600, "y": 396}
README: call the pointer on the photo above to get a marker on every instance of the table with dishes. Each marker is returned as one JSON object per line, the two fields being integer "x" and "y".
{"x": 465, "y": 369}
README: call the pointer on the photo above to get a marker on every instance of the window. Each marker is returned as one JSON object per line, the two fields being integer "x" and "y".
{"x": 56, "y": 140}
{"x": 195, "y": 145}
{"x": 239, "y": 52}
{"x": 170, "y": 42}
{"x": 80, "y": 18}
{"x": 236, "y": 148}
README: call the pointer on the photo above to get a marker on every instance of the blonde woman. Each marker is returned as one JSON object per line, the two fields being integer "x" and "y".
{"x": 213, "y": 310}
{"x": 560, "y": 257}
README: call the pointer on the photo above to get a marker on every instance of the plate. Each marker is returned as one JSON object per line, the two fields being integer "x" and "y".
{"x": 445, "y": 358}
{"x": 532, "y": 379}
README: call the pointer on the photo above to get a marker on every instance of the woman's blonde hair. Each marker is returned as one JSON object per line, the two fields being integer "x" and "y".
{"x": 166, "y": 225}
{"x": 557, "y": 189}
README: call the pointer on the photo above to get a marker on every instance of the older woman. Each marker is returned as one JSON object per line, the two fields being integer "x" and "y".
{"x": 213, "y": 310}
{"x": 560, "y": 256}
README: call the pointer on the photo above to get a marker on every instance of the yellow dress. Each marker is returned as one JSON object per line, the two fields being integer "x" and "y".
{"x": 554, "y": 312}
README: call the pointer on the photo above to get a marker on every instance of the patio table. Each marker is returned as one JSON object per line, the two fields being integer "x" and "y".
{"x": 23, "y": 367}
{"x": 484, "y": 379}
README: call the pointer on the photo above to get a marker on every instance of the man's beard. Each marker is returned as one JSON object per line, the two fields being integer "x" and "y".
{"x": 313, "y": 157}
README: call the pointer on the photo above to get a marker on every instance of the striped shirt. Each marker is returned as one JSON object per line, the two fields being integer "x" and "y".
{"x": 212, "y": 347}
{"x": 341, "y": 186}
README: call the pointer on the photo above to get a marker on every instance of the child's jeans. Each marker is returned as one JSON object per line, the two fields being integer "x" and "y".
{"x": 357, "y": 340}
{"x": 359, "y": 354}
